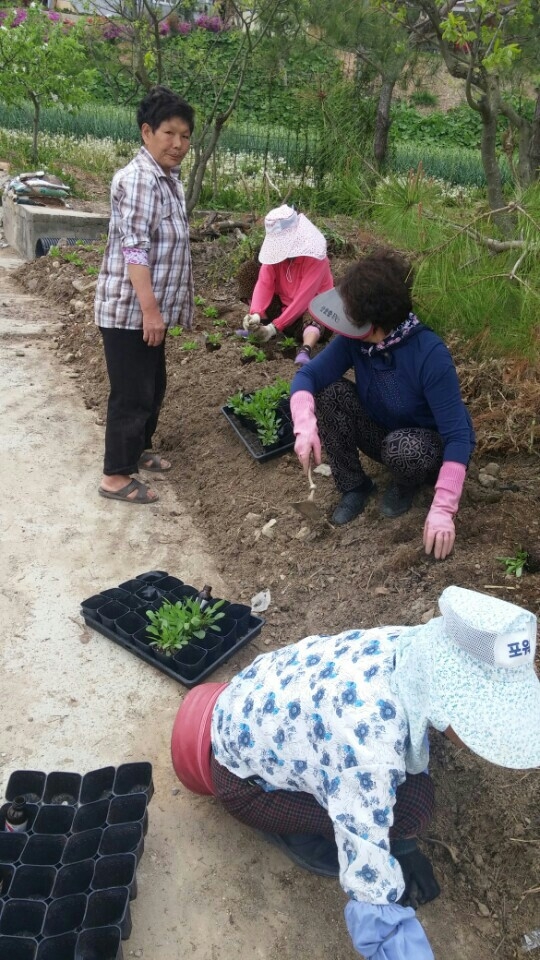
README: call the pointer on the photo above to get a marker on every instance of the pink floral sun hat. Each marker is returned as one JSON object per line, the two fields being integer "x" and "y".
{"x": 290, "y": 234}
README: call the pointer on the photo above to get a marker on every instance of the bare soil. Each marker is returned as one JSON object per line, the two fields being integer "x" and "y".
{"x": 484, "y": 840}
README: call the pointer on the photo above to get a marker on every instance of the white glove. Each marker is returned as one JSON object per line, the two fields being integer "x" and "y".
{"x": 251, "y": 321}
{"x": 262, "y": 333}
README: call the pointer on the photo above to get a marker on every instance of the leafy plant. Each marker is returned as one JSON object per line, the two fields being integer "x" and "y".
{"x": 73, "y": 258}
{"x": 287, "y": 343}
{"x": 175, "y": 331}
{"x": 199, "y": 301}
{"x": 212, "y": 312}
{"x": 214, "y": 339}
{"x": 55, "y": 252}
{"x": 424, "y": 98}
{"x": 515, "y": 565}
{"x": 92, "y": 271}
{"x": 251, "y": 352}
{"x": 219, "y": 323}
{"x": 190, "y": 345}
{"x": 175, "y": 624}
{"x": 262, "y": 408}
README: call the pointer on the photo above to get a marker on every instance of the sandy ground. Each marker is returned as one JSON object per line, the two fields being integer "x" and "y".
{"x": 72, "y": 700}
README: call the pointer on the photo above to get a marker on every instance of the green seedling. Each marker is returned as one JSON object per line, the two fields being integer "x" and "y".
{"x": 175, "y": 624}
{"x": 515, "y": 565}
{"x": 261, "y": 407}
{"x": 190, "y": 345}
{"x": 211, "y": 312}
{"x": 55, "y": 252}
{"x": 214, "y": 339}
{"x": 73, "y": 258}
{"x": 219, "y": 323}
{"x": 199, "y": 301}
{"x": 175, "y": 331}
{"x": 92, "y": 271}
{"x": 251, "y": 352}
{"x": 288, "y": 343}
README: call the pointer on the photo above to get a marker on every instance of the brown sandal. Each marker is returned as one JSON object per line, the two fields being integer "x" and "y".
{"x": 123, "y": 493}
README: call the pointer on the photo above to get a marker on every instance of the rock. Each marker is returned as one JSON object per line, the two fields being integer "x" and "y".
{"x": 268, "y": 529}
{"x": 492, "y": 469}
{"x": 381, "y": 591}
{"x": 20, "y": 353}
{"x": 32, "y": 285}
{"x": 483, "y": 911}
{"x": 486, "y": 480}
{"x": 175, "y": 792}
{"x": 55, "y": 264}
{"x": 428, "y": 615}
{"x": 83, "y": 286}
{"x": 302, "y": 533}
{"x": 69, "y": 357}
{"x": 252, "y": 517}
{"x": 324, "y": 470}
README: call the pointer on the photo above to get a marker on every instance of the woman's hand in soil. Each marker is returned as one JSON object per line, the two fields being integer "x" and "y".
{"x": 439, "y": 533}
{"x": 154, "y": 329}
{"x": 308, "y": 443}
{"x": 251, "y": 321}
{"x": 263, "y": 332}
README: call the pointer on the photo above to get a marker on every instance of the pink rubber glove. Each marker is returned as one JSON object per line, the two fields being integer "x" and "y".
{"x": 307, "y": 443}
{"x": 439, "y": 530}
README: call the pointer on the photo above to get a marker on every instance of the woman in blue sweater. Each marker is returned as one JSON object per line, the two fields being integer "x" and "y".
{"x": 404, "y": 409}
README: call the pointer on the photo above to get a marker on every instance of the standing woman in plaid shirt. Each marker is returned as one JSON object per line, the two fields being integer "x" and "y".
{"x": 145, "y": 285}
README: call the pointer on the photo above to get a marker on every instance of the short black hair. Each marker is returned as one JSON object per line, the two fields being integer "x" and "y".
{"x": 377, "y": 290}
{"x": 161, "y": 104}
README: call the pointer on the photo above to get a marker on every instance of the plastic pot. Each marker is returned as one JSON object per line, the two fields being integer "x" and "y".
{"x": 116, "y": 593}
{"x": 73, "y": 878}
{"x": 152, "y": 576}
{"x": 168, "y": 583}
{"x": 122, "y": 838}
{"x": 32, "y": 882}
{"x": 134, "y": 778}
{"x": 62, "y": 788}
{"x": 64, "y": 915}
{"x": 190, "y": 661}
{"x": 130, "y": 586}
{"x": 109, "y": 907}
{"x": 97, "y": 785}
{"x": 82, "y": 846}
{"x": 116, "y": 871}
{"x": 129, "y": 624}
{"x": 212, "y": 642}
{"x": 13, "y": 948}
{"x": 54, "y": 819}
{"x": 22, "y": 918}
{"x": 29, "y": 784}
{"x": 58, "y": 948}
{"x": 91, "y": 815}
{"x": 43, "y": 851}
{"x": 128, "y": 809}
{"x": 228, "y": 628}
{"x": 111, "y": 612}
{"x": 184, "y": 592}
{"x": 241, "y": 613}
{"x": 6, "y": 876}
{"x": 101, "y": 943}
{"x": 92, "y": 604}
{"x": 11, "y": 846}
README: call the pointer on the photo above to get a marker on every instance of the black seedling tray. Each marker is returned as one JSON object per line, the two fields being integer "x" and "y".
{"x": 126, "y": 625}
{"x": 247, "y": 432}
{"x": 68, "y": 880}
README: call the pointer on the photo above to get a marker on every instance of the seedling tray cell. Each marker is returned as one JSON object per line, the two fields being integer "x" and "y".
{"x": 192, "y": 664}
{"x": 251, "y": 441}
{"x": 67, "y": 881}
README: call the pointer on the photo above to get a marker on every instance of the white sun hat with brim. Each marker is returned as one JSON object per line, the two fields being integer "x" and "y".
{"x": 290, "y": 234}
{"x": 475, "y": 672}
{"x": 328, "y": 308}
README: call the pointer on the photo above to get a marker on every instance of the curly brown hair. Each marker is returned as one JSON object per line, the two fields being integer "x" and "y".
{"x": 377, "y": 290}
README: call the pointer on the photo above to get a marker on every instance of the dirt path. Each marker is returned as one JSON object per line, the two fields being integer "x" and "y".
{"x": 208, "y": 888}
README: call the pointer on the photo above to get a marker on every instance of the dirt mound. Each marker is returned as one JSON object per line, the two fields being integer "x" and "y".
{"x": 484, "y": 839}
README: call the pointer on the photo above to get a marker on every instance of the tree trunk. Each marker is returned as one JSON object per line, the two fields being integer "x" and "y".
{"x": 35, "y": 128}
{"x": 382, "y": 121}
{"x": 489, "y": 107}
{"x": 534, "y": 145}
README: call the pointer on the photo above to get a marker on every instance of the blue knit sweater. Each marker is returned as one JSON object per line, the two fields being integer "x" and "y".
{"x": 410, "y": 384}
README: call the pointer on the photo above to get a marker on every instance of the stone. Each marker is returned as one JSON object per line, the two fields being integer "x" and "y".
{"x": 428, "y": 615}
{"x": 324, "y": 470}
{"x": 252, "y": 517}
{"x": 492, "y": 469}
{"x": 268, "y": 529}
{"x": 20, "y": 353}
{"x": 486, "y": 480}
{"x": 82, "y": 286}
{"x": 302, "y": 533}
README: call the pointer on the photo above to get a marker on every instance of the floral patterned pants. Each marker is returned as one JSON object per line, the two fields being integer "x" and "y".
{"x": 412, "y": 454}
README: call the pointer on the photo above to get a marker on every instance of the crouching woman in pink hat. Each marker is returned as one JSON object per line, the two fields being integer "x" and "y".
{"x": 312, "y": 743}
{"x": 294, "y": 268}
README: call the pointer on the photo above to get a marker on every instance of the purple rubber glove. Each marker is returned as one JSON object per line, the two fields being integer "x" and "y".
{"x": 308, "y": 443}
{"x": 386, "y": 932}
{"x": 439, "y": 530}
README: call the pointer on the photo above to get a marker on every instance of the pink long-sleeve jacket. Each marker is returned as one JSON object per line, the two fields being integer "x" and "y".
{"x": 295, "y": 282}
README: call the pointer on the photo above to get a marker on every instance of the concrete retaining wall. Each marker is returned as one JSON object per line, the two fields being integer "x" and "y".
{"x": 24, "y": 225}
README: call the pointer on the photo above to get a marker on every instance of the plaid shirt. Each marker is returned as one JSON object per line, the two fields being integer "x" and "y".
{"x": 148, "y": 212}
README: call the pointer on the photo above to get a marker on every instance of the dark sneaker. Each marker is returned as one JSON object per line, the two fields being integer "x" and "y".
{"x": 397, "y": 499}
{"x": 308, "y": 851}
{"x": 352, "y": 504}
